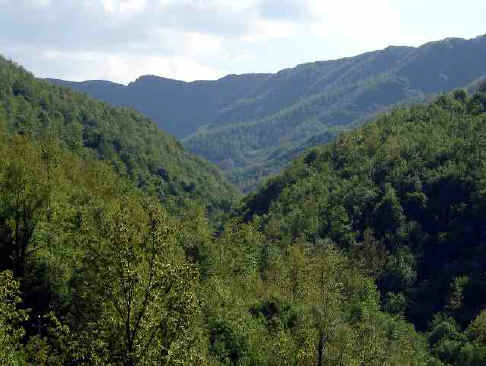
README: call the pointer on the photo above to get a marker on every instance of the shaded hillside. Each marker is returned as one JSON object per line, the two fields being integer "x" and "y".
{"x": 406, "y": 197}
{"x": 177, "y": 107}
{"x": 239, "y": 122}
{"x": 123, "y": 137}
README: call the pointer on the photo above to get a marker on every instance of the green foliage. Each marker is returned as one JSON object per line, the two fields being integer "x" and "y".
{"x": 406, "y": 190}
{"x": 111, "y": 278}
{"x": 139, "y": 288}
{"x": 23, "y": 195}
{"x": 310, "y": 306}
{"x": 125, "y": 139}
{"x": 389, "y": 217}
{"x": 252, "y": 150}
{"x": 103, "y": 268}
{"x": 11, "y": 318}
{"x": 254, "y": 125}
{"x": 466, "y": 348}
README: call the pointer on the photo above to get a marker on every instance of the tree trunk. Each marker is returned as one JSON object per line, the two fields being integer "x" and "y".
{"x": 321, "y": 348}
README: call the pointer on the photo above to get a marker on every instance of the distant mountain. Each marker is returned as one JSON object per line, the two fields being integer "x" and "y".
{"x": 124, "y": 138}
{"x": 251, "y": 125}
{"x": 178, "y": 107}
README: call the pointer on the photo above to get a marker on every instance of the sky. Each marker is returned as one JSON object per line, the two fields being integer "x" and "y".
{"x": 120, "y": 40}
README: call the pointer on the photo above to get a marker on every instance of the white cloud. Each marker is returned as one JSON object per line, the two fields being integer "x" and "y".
{"x": 265, "y": 30}
{"x": 124, "y": 67}
{"x": 202, "y": 39}
{"x": 124, "y": 6}
{"x": 366, "y": 24}
{"x": 41, "y": 3}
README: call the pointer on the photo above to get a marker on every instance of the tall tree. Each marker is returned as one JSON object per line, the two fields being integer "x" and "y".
{"x": 142, "y": 288}
{"x": 11, "y": 317}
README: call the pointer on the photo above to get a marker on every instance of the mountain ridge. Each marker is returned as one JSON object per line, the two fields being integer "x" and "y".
{"x": 294, "y": 105}
{"x": 125, "y": 139}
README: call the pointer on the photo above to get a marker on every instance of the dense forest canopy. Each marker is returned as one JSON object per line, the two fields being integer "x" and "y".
{"x": 126, "y": 139}
{"x": 95, "y": 271}
{"x": 405, "y": 197}
{"x": 366, "y": 251}
{"x": 107, "y": 277}
{"x": 254, "y": 125}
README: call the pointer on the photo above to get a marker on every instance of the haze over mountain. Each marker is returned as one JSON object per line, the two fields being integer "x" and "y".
{"x": 253, "y": 124}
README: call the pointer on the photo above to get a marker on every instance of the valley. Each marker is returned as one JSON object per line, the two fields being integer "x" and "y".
{"x": 359, "y": 238}
{"x": 254, "y": 125}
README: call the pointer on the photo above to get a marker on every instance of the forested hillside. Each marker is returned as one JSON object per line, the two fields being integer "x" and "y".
{"x": 178, "y": 107}
{"x": 252, "y": 125}
{"x": 95, "y": 269}
{"x": 366, "y": 251}
{"x": 127, "y": 140}
{"x": 405, "y": 198}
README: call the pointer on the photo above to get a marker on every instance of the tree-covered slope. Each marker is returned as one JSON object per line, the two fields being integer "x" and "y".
{"x": 319, "y": 97}
{"x": 405, "y": 196}
{"x": 94, "y": 272}
{"x": 240, "y": 122}
{"x": 123, "y": 137}
{"x": 177, "y": 107}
